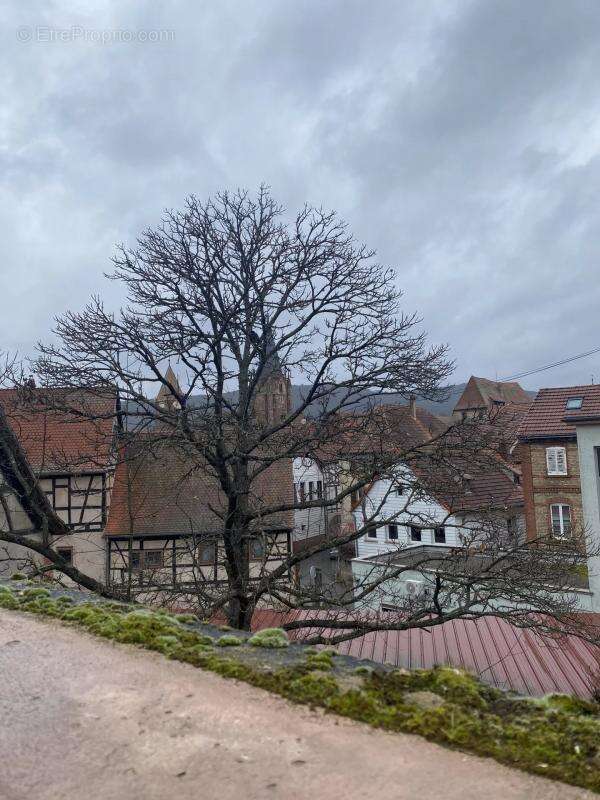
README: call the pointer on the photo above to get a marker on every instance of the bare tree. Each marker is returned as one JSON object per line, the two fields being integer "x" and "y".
{"x": 240, "y": 301}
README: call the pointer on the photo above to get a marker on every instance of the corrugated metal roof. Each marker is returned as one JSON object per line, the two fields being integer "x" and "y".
{"x": 498, "y": 652}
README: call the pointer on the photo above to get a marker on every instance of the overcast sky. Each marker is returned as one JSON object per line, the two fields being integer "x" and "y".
{"x": 459, "y": 139}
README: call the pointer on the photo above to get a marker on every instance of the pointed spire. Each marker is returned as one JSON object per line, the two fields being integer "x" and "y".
{"x": 273, "y": 362}
{"x": 165, "y": 396}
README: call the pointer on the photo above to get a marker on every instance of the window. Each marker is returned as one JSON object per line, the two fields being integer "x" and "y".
{"x": 392, "y": 532}
{"x": 65, "y": 553}
{"x": 416, "y": 534}
{"x": 257, "y": 548}
{"x": 573, "y": 403}
{"x": 153, "y": 559}
{"x": 512, "y": 528}
{"x": 316, "y": 577}
{"x": 556, "y": 460}
{"x": 372, "y": 532}
{"x": 439, "y": 535}
{"x": 311, "y": 490}
{"x": 146, "y": 559}
{"x": 399, "y": 488}
{"x": 560, "y": 516}
{"x": 319, "y": 489}
{"x": 302, "y": 492}
{"x": 206, "y": 553}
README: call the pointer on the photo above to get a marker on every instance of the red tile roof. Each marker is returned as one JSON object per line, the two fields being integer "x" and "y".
{"x": 548, "y": 417}
{"x": 62, "y": 440}
{"x": 498, "y": 652}
{"x": 159, "y": 491}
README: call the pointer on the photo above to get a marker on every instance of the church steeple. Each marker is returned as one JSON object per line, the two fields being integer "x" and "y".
{"x": 165, "y": 397}
{"x": 273, "y": 400}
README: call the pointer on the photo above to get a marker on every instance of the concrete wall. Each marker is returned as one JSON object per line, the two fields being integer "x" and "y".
{"x": 394, "y": 591}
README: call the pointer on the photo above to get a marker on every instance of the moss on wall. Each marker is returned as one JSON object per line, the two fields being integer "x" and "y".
{"x": 556, "y": 736}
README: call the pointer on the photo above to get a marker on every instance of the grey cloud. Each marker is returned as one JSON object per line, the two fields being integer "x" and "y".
{"x": 458, "y": 138}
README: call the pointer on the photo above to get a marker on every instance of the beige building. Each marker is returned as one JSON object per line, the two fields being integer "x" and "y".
{"x": 74, "y": 460}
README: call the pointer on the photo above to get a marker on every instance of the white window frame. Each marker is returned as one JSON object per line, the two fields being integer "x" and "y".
{"x": 556, "y": 461}
{"x": 561, "y": 519}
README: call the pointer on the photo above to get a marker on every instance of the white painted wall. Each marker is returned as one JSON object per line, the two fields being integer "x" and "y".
{"x": 311, "y": 521}
{"x": 307, "y": 521}
{"x": 410, "y": 508}
{"x": 588, "y": 439}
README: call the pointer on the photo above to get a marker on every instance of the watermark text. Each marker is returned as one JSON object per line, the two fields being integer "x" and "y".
{"x": 77, "y": 33}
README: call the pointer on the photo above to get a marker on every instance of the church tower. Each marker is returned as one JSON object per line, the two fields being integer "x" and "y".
{"x": 165, "y": 397}
{"x": 273, "y": 400}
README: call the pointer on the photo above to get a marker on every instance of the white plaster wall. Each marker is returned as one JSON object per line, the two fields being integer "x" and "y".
{"x": 88, "y": 547}
{"x": 588, "y": 438}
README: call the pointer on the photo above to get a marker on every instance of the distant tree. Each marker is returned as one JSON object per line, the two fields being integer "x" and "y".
{"x": 233, "y": 294}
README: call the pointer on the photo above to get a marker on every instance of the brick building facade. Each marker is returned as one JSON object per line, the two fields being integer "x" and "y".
{"x": 550, "y": 462}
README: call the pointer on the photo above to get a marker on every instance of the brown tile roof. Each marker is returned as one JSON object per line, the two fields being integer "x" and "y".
{"x": 548, "y": 417}
{"x": 482, "y": 392}
{"x": 385, "y": 429}
{"x": 62, "y": 440}
{"x": 159, "y": 491}
{"x": 460, "y": 486}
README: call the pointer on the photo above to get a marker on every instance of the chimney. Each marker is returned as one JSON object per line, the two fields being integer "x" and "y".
{"x": 413, "y": 406}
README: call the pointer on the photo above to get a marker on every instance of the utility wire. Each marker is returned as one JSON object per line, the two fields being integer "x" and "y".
{"x": 551, "y": 366}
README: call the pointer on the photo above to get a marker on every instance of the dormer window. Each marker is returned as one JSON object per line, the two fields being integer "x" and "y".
{"x": 574, "y": 403}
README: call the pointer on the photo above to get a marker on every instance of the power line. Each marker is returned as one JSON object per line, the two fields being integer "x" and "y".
{"x": 551, "y": 366}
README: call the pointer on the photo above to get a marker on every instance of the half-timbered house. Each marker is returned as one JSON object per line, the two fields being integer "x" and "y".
{"x": 69, "y": 440}
{"x": 167, "y": 519}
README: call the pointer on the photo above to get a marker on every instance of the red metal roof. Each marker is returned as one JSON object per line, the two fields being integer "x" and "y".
{"x": 546, "y": 416}
{"x": 498, "y": 652}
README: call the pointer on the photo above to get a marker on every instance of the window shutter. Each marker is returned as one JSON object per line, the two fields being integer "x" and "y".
{"x": 556, "y": 460}
{"x": 566, "y": 518}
